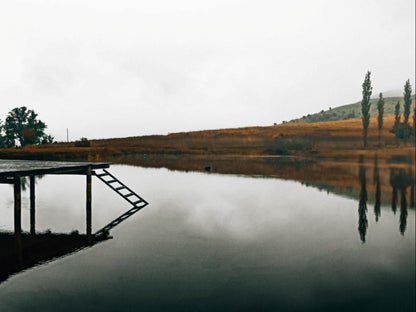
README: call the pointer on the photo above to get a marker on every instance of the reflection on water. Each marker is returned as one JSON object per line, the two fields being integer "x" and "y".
{"x": 377, "y": 204}
{"x": 402, "y": 179}
{"x": 333, "y": 175}
{"x": 20, "y": 252}
{"x": 394, "y": 199}
{"x": 362, "y": 203}
{"x": 210, "y": 242}
{"x": 403, "y": 211}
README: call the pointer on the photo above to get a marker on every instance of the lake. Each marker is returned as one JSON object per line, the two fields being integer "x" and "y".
{"x": 221, "y": 242}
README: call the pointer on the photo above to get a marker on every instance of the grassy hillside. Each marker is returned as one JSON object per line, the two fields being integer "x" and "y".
{"x": 334, "y": 139}
{"x": 353, "y": 110}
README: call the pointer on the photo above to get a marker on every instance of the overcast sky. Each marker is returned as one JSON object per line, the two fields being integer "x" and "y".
{"x": 125, "y": 68}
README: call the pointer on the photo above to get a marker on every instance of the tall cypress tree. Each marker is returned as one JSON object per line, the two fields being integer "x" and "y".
{"x": 365, "y": 105}
{"x": 396, "y": 116}
{"x": 380, "y": 108}
{"x": 407, "y": 100}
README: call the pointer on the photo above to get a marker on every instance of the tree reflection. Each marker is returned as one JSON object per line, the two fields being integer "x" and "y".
{"x": 362, "y": 205}
{"x": 403, "y": 211}
{"x": 377, "y": 205}
{"x": 412, "y": 188}
{"x": 394, "y": 200}
{"x": 400, "y": 179}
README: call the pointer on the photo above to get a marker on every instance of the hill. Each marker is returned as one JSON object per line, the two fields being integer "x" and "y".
{"x": 333, "y": 139}
{"x": 352, "y": 110}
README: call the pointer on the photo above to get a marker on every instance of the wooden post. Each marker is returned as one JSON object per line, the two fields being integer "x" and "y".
{"x": 32, "y": 205}
{"x": 89, "y": 219}
{"x": 17, "y": 206}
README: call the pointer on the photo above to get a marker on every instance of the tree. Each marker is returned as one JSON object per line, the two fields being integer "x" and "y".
{"x": 2, "y": 137}
{"x": 407, "y": 100}
{"x": 380, "y": 108}
{"x": 414, "y": 118}
{"x": 22, "y": 126}
{"x": 365, "y": 105}
{"x": 396, "y": 117}
{"x": 402, "y": 130}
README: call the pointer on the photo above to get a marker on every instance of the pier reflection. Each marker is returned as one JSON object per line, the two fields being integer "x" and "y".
{"x": 21, "y": 251}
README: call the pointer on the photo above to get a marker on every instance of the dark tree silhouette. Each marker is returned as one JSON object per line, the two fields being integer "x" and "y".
{"x": 22, "y": 126}
{"x": 365, "y": 105}
{"x": 2, "y": 136}
{"x": 362, "y": 204}
{"x": 394, "y": 200}
{"x": 403, "y": 211}
{"x": 401, "y": 179}
{"x": 407, "y": 100}
{"x": 396, "y": 117}
{"x": 414, "y": 119}
{"x": 377, "y": 204}
{"x": 412, "y": 188}
{"x": 380, "y": 108}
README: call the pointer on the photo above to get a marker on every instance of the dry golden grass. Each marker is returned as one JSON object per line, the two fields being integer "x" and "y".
{"x": 334, "y": 139}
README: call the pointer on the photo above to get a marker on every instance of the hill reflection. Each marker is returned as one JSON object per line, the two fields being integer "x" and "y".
{"x": 332, "y": 175}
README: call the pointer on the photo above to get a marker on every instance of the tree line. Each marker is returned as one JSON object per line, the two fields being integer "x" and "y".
{"x": 402, "y": 130}
{"x": 22, "y": 127}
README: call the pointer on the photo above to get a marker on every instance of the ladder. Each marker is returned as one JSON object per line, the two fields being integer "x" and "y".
{"x": 124, "y": 191}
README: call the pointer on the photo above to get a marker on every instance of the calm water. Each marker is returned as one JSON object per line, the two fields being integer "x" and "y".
{"x": 215, "y": 242}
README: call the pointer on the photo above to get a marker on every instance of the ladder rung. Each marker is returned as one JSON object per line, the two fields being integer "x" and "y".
{"x": 102, "y": 175}
{"x": 128, "y": 195}
{"x": 111, "y": 181}
{"x": 139, "y": 201}
{"x": 120, "y": 188}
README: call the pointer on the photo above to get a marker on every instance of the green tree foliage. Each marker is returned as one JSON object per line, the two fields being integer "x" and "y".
{"x": 83, "y": 142}
{"x": 407, "y": 100}
{"x": 23, "y": 127}
{"x": 403, "y": 130}
{"x": 414, "y": 118}
{"x": 2, "y": 137}
{"x": 380, "y": 108}
{"x": 396, "y": 116}
{"x": 365, "y": 105}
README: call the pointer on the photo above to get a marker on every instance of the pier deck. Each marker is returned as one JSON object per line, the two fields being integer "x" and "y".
{"x": 13, "y": 168}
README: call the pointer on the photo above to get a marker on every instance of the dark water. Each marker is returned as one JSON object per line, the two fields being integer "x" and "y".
{"x": 211, "y": 242}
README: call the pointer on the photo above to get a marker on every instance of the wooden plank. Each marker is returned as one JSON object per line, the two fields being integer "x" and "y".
{"x": 9, "y": 168}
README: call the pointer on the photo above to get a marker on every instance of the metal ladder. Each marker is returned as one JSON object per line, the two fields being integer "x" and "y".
{"x": 125, "y": 192}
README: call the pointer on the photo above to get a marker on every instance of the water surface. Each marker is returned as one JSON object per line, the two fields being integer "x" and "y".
{"x": 218, "y": 242}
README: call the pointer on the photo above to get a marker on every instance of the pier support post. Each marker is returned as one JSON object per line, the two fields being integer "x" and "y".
{"x": 17, "y": 206}
{"x": 88, "y": 206}
{"x": 32, "y": 205}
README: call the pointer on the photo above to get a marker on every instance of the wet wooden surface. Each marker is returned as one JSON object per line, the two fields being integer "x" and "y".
{"x": 10, "y": 168}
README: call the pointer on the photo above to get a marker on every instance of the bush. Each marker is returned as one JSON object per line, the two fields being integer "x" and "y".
{"x": 403, "y": 131}
{"x": 286, "y": 144}
{"x": 83, "y": 142}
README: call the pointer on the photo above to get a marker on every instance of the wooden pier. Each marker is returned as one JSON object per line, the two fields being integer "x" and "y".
{"x": 19, "y": 250}
{"x": 12, "y": 171}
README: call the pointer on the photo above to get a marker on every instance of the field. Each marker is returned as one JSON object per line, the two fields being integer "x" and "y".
{"x": 334, "y": 139}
